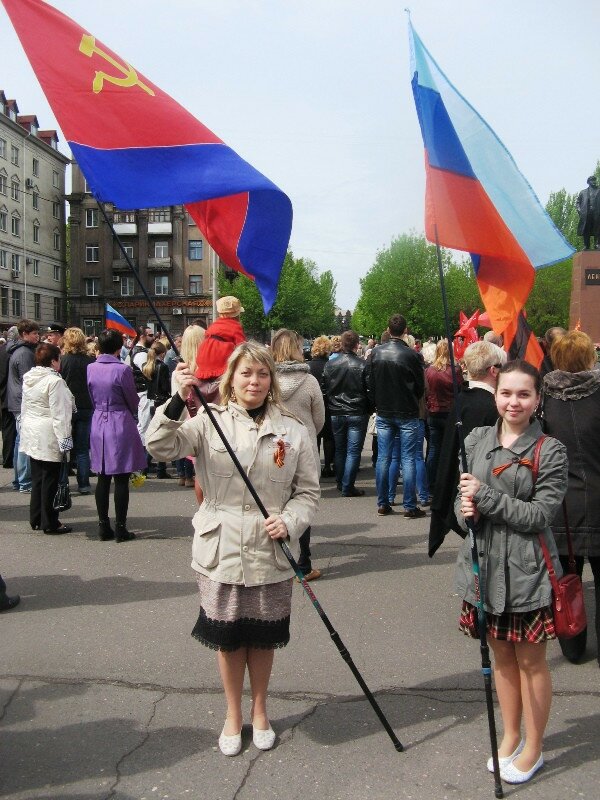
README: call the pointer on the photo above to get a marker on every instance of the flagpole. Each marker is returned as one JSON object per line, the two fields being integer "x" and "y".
{"x": 486, "y": 665}
{"x": 286, "y": 550}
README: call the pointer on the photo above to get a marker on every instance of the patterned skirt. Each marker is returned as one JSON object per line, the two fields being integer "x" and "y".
{"x": 234, "y": 616}
{"x": 511, "y": 626}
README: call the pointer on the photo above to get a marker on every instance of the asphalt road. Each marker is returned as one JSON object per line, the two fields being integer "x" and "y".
{"x": 104, "y": 694}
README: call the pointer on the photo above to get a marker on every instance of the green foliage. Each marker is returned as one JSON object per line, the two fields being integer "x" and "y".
{"x": 405, "y": 280}
{"x": 305, "y": 300}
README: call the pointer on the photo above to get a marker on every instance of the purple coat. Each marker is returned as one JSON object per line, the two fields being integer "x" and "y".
{"x": 115, "y": 443}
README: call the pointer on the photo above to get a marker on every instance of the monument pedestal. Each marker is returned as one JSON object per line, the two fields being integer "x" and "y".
{"x": 585, "y": 293}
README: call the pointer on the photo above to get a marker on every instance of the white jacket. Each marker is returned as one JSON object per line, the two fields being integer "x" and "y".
{"x": 46, "y": 411}
{"x": 231, "y": 544}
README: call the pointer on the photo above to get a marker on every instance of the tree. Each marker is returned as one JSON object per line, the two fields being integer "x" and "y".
{"x": 305, "y": 300}
{"x": 404, "y": 279}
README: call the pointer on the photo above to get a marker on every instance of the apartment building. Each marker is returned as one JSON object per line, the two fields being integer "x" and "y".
{"x": 32, "y": 219}
{"x": 170, "y": 254}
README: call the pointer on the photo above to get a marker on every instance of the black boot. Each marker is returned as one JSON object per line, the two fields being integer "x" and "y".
{"x": 105, "y": 532}
{"x": 122, "y": 534}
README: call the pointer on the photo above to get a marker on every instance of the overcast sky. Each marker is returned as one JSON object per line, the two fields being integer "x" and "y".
{"x": 316, "y": 95}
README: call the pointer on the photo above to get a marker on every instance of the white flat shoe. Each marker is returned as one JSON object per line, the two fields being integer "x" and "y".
{"x": 511, "y": 774}
{"x": 504, "y": 761}
{"x": 264, "y": 740}
{"x": 230, "y": 745}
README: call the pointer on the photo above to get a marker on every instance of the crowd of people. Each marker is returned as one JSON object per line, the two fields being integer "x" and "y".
{"x": 135, "y": 408}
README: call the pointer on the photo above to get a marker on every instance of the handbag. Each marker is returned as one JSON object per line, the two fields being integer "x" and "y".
{"x": 62, "y": 498}
{"x": 568, "y": 606}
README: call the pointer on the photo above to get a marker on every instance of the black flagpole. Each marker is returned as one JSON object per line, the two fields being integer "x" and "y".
{"x": 486, "y": 665}
{"x": 288, "y": 554}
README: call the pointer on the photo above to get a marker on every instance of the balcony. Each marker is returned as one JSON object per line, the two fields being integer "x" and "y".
{"x": 120, "y": 265}
{"x": 125, "y": 228}
{"x": 160, "y": 228}
{"x": 160, "y": 264}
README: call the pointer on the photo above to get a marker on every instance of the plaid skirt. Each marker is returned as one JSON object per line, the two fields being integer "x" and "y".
{"x": 233, "y": 616}
{"x": 511, "y": 626}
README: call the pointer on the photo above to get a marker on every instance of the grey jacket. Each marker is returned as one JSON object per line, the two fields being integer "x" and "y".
{"x": 21, "y": 357}
{"x": 511, "y": 558}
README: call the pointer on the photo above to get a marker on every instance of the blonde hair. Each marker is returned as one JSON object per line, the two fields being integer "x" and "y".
{"x": 251, "y": 351}
{"x": 428, "y": 352}
{"x": 74, "y": 341}
{"x": 320, "y": 347}
{"x": 157, "y": 349}
{"x": 442, "y": 356}
{"x": 480, "y": 356}
{"x": 286, "y": 345}
{"x": 409, "y": 339}
{"x": 191, "y": 340}
{"x": 336, "y": 344}
{"x": 92, "y": 349}
{"x": 573, "y": 352}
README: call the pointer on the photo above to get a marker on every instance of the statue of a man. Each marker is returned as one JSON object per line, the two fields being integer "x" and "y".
{"x": 588, "y": 208}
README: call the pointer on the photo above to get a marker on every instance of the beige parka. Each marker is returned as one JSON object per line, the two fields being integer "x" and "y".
{"x": 230, "y": 543}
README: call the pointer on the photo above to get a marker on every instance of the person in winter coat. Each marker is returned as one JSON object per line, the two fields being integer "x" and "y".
{"x": 46, "y": 410}
{"x": 116, "y": 447}
{"x": 220, "y": 340}
{"x": 245, "y": 581}
{"x": 572, "y": 415}
{"x": 508, "y": 512}
{"x": 302, "y": 395}
{"x": 20, "y": 360}
{"x": 74, "y": 362}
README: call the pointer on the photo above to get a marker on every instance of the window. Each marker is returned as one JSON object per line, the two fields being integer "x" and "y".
{"x": 92, "y": 287}
{"x": 128, "y": 249}
{"x": 56, "y": 272}
{"x": 3, "y": 221}
{"x": 35, "y": 167}
{"x": 127, "y": 287}
{"x": 160, "y": 214}
{"x": 93, "y": 327}
{"x": 3, "y": 155}
{"x": 91, "y": 217}
{"x": 3, "y": 184}
{"x": 55, "y": 209}
{"x": 161, "y": 284}
{"x": 35, "y": 201}
{"x": 37, "y": 305}
{"x": 161, "y": 250}
{"x": 3, "y": 259}
{"x": 36, "y": 232}
{"x": 14, "y": 155}
{"x": 92, "y": 253}
{"x": 189, "y": 219}
{"x": 58, "y": 308}
{"x": 195, "y": 249}
{"x": 36, "y": 268}
{"x": 86, "y": 187}
{"x": 56, "y": 240}
{"x": 4, "y": 301}
{"x": 16, "y": 225}
{"x": 124, "y": 216}
{"x": 195, "y": 284}
{"x": 55, "y": 179}
{"x": 15, "y": 264}
{"x": 14, "y": 190}
{"x": 16, "y": 303}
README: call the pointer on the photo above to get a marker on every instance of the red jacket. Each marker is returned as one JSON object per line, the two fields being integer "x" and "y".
{"x": 440, "y": 393}
{"x": 220, "y": 340}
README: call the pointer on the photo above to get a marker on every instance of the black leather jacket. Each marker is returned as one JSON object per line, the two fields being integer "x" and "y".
{"x": 395, "y": 380}
{"x": 344, "y": 386}
{"x": 141, "y": 384}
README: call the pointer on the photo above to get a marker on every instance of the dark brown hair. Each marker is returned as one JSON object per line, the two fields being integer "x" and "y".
{"x": 518, "y": 365}
{"x": 45, "y": 354}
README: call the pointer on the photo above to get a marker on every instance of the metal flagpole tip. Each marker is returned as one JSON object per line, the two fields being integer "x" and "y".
{"x": 408, "y": 12}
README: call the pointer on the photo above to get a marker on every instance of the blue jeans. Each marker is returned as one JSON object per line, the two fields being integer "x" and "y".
{"x": 82, "y": 422}
{"x": 349, "y": 434}
{"x": 22, "y": 465}
{"x": 421, "y": 478}
{"x": 408, "y": 431}
{"x": 437, "y": 425}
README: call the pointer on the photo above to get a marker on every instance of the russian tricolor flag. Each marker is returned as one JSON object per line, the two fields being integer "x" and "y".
{"x": 477, "y": 198}
{"x": 115, "y": 321}
{"x": 138, "y": 148}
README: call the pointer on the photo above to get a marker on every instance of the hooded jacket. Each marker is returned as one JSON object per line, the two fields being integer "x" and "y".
{"x": 220, "y": 340}
{"x": 46, "y": 412}
{"x": 21, "y": 358}
{"x": 302, "y": 396}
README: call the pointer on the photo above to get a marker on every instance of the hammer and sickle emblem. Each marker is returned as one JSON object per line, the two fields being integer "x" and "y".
{"x": 87, "y": 46}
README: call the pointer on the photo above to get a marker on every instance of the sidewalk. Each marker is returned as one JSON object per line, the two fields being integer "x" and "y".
{"x": 104, "y": 694}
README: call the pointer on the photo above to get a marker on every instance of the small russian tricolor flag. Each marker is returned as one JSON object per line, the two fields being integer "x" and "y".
{"x": 114, "y": 321}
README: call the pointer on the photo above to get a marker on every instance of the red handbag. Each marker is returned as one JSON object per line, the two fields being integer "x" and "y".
{"x": 568, "y": 605}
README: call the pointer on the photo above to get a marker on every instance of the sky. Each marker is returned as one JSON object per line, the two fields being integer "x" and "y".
{"x": 316, "y": 95}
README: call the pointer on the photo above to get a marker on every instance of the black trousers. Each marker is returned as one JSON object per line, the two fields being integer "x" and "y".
{"x": 44, "y": 483}
{"x": 9, "y": 434}
{"x": 304, "y": 561}
{"x": 121, "y": 496}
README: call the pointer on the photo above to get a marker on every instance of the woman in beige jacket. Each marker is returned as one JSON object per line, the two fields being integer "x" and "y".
{"x": 243, "y": 575}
